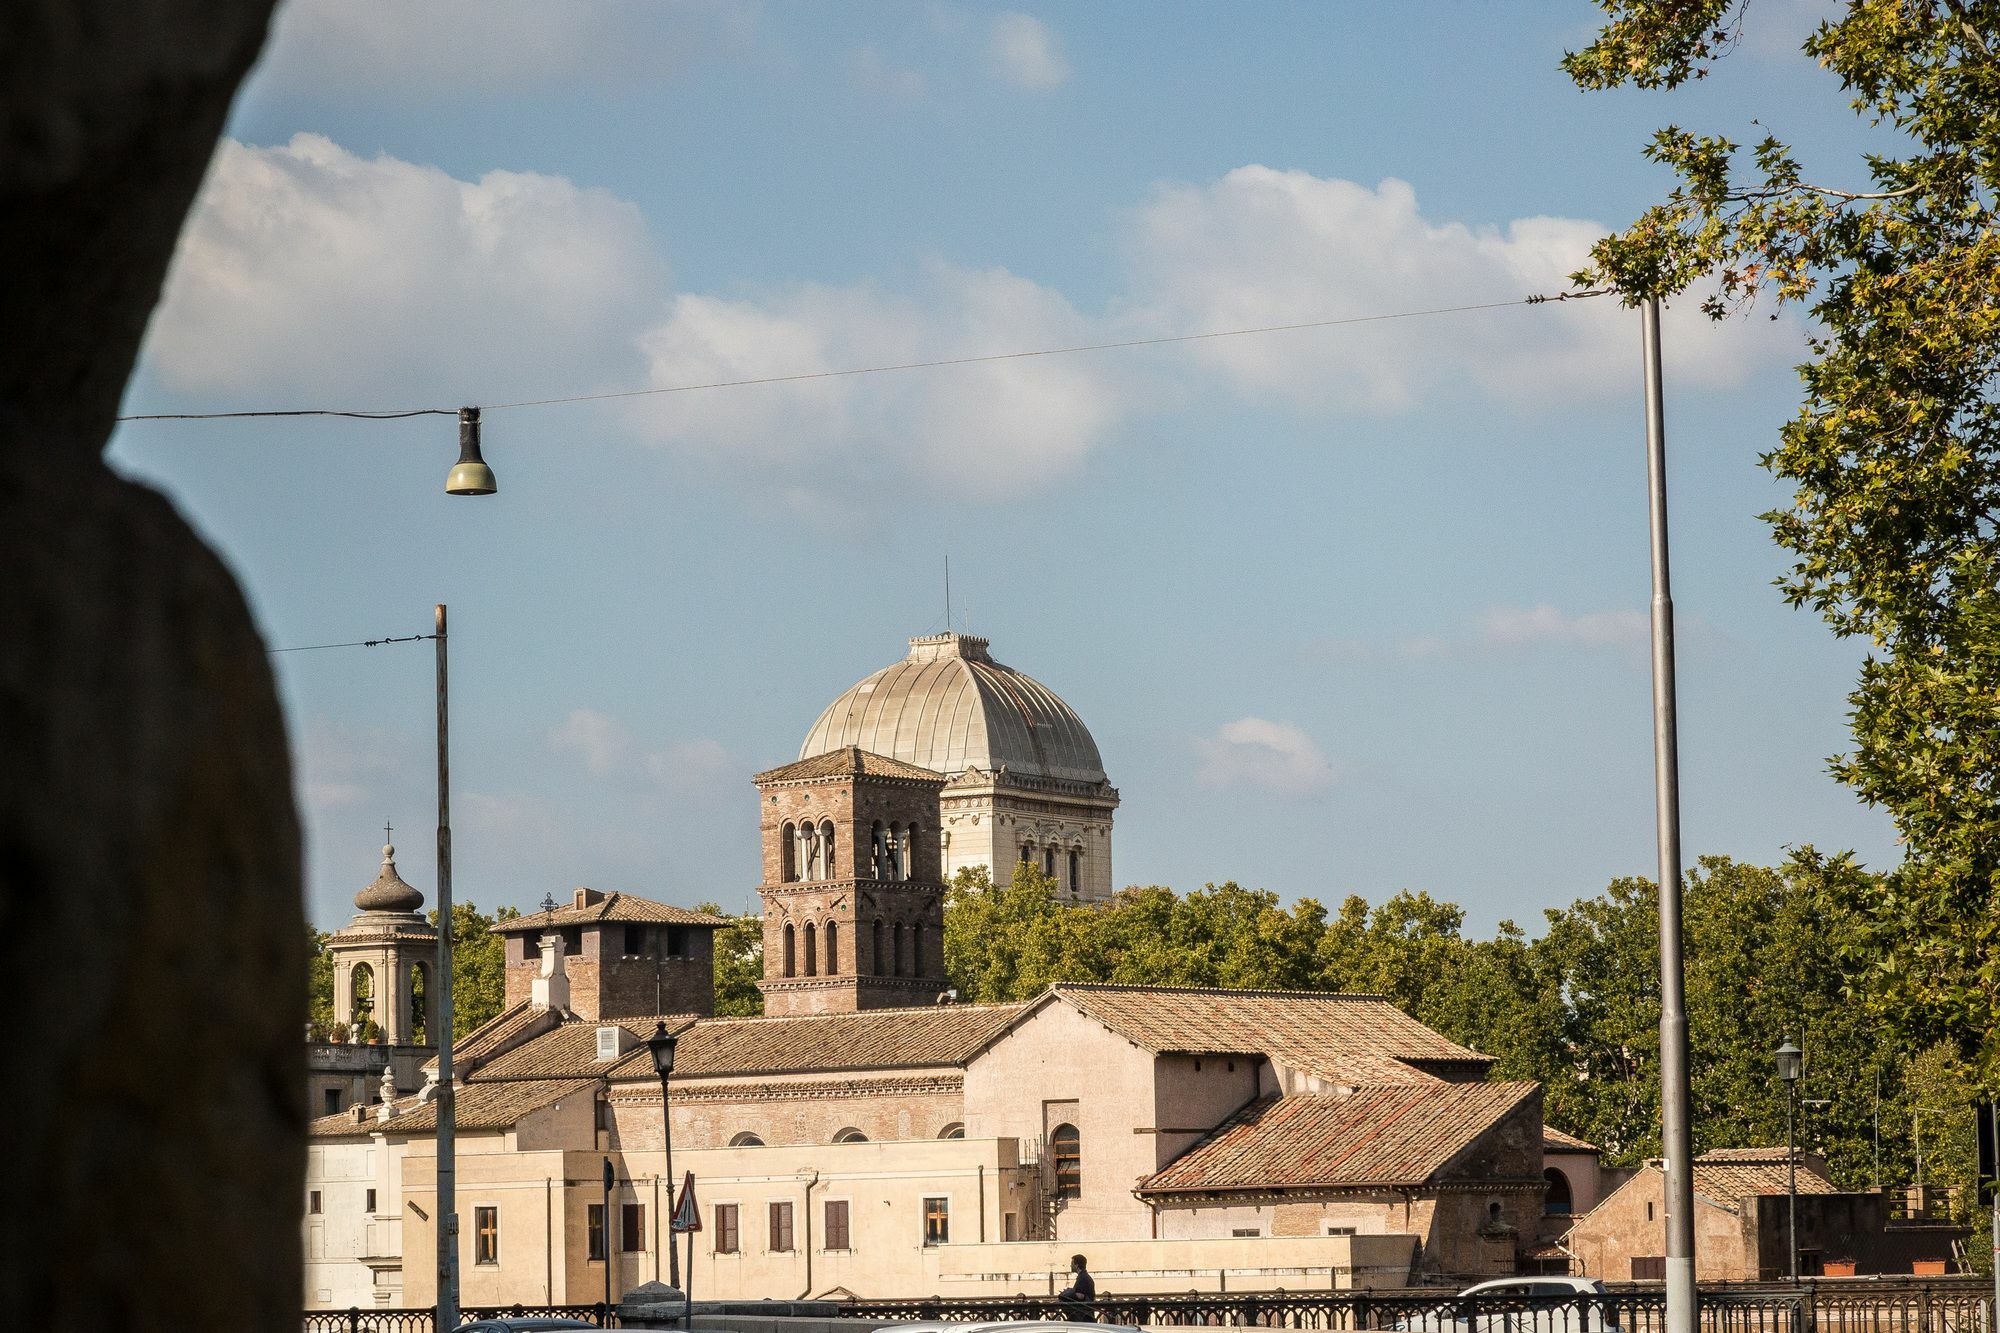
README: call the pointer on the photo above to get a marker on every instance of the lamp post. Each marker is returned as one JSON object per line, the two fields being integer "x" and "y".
{"x": 661, "y": 1044}
{"x": 1791, "y": 1061}
{"x": 447, "y": 1101}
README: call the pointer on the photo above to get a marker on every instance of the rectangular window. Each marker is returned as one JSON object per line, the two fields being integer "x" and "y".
{"x": 1010, "y": 1226}
{"x": 635, "y": 941}
{"x": 368, "y": 1204}
{"x": 836, "y": 1224}
{"x": 1339, "y": 1231}
{"x": 725, "y": 1228}
{"x": 1649, "y": 1269}
{"x": 593, "y": 1226}
{"x": 1244, "y": 1231}
{"x": 937, "y": 1221}
{"x": 332, "y": 1101}
{"x": 781, "y": 1228}
{"x": 632, "y": 1227}
{"x": 485, "y": 1235}
{"x": 315, "y": 1202}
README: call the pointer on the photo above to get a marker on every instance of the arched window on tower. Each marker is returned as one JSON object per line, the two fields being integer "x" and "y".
{"x": 791, "y": 951}
{"x": 1075, "y": 871}
{"x": 917, "y": 949}
{"x": 878, "y": 854}
{"x": 1066, "y": 1153}
{"x": 788, "y": 854}
{"x": 826, "y": 850}
{"x": 897, "y": 867}
{"x": 812, "y": 950}
{"x": 897, "y": 932}
{"x": 363, "y": 1011}
{"x": 1049, "y": 860}
{"x": 420, "y": 984}
{"x": 833, "y": 948}
{"x": 910, "y": 852}
{"x": 1027, "y": 852}
{"x": 877, "y": 960}
{"x": 809, "y": 862}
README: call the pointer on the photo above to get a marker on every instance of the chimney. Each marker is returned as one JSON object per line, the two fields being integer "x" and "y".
{"x": 550, "y": 988}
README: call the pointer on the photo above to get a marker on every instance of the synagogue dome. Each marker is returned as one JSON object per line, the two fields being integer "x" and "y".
{"x": 949, "y": 707}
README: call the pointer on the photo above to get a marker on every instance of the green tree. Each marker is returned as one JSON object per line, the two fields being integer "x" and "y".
{"x": 478, "y": 965}
{"x": 319, "y": 984}
{"x": 1010, "y": 944}
{"x": 739, "y": 963}
{"x": 1895, "y": 451}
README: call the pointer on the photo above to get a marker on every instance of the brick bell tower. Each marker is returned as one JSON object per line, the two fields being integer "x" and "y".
{"x": 853, "y": 884}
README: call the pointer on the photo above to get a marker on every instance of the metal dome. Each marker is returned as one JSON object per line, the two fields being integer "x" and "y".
{"x": 949, "y": 707}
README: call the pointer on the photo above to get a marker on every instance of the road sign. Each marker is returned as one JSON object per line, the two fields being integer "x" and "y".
{"x": 687, "y": 1213}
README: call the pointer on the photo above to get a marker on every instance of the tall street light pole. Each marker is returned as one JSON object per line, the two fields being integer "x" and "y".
{"x": 447, "y": 1108}
{"x": 1791, "y": 1061}
{"x": 661, "y": 1045}
{"x": 1676, "y": 1141}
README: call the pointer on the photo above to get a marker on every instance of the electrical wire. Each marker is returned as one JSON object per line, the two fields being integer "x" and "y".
{"x": 358, "y": 643}
{"x": 1069, "y": 350}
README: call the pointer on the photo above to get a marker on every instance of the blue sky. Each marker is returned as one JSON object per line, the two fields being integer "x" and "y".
{"x": 1348, "y": 611}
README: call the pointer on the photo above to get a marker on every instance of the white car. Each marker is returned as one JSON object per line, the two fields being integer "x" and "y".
{"x": 1005, "y": 1326}
{"x": 1522, "y": 1305}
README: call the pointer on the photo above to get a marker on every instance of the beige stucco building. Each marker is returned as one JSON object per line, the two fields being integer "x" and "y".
{"x": 1023, "y": 779}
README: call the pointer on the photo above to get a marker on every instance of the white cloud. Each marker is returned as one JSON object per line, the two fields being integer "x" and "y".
{"x": 991, "y": 428}
{"x": 1024, "y": 52}
{"x": 443, "y": 48}
{"x": 870, "y": 70}
{"x": 1529, "y": 626}
{"x": 307, "y": 271}
{"x": 1259, "y": 247}
{"x": 1256, "y": 752}
{"x": 595, "y": 738}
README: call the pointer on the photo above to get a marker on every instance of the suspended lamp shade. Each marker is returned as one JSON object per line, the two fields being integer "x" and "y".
{"x": 470, "y": 476}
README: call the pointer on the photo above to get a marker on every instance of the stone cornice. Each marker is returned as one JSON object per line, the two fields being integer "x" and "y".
{"x": 764, "y": 1090}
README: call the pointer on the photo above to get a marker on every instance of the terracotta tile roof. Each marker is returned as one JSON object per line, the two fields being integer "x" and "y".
{"x": 570, "y": 1051}
{"x": 1554, "y": 1140}
{"x": 1727, "y": 1176}
{"x": 479, "y": 1106}
{"x": 1352, "y": 1039}
{"x": 943, "y": 1035}
{"x": 502, "y": 1032}
{"x": 613, "y": 907}
{"x": 846, "y": 762}
{"x": 1376, "y": 1137}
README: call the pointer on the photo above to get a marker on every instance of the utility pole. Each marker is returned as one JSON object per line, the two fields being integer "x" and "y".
{"x": 1676, "y": 1141}
{"x": 447, "y": 1102}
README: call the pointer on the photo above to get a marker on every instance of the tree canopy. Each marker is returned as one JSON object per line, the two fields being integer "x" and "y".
{"x": 1894, "y": 453}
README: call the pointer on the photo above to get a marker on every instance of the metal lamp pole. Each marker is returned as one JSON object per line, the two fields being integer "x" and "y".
{"x": 1790, "y": 1061}
{"x": 1676, "y": 1140}
{"x": 661, "y": 1044}
{"x": 447, "y": 1169}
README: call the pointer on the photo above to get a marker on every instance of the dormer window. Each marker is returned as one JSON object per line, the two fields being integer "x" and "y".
{"x": 609, "y": 1041}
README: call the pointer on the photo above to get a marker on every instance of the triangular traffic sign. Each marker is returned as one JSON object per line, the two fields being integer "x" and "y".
{"x": 687, "y": 1213}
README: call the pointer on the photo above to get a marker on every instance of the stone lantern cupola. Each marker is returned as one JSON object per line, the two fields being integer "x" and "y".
{"x": 382, "y": 961}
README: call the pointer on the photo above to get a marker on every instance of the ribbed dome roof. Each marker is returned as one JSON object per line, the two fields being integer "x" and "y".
{"x": 949, "y": 707}
{"x": 389, "y": 893}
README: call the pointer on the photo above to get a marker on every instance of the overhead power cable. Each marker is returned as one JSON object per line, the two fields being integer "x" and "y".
{"x": 358, "y": 643}
{"x": 940, "y": 362}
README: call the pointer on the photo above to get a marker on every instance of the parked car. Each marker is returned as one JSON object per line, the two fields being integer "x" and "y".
{"x": 1521, "y": 1305}
{"x": 1004, "y": 1326}
{"x": 521, "y": 1324}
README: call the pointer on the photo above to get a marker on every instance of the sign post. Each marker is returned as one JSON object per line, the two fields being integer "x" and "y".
{"x": 687, "y": 1221}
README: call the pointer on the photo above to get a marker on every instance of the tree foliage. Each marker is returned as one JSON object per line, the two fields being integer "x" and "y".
{"x": 739, "y": 964}
{"x": 1894, "y": 454}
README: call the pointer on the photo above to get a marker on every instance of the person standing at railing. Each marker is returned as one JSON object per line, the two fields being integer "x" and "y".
{"x": 1080, "y": 1296}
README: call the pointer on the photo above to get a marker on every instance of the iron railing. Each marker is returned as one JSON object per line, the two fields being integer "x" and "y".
{"x": 424, "y": 1320}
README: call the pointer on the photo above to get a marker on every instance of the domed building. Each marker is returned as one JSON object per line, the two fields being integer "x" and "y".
{"x": 1023, "y": 779}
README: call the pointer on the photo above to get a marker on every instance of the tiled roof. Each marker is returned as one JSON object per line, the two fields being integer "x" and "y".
{"x": 570, "y": 1051}
{"x": 846, "y": 762}
{"x": 1554, "y": 1140}
{"x": 1349, "y": 1038}
{"x": 614, "y": 907}
{"x": 941, "y": 1035}
{"x": 502, "y": 1032}
{"x": 478, "y": 1106}
{"x": 1727, "y": 1176}
{"x": 1376, "y": 1137}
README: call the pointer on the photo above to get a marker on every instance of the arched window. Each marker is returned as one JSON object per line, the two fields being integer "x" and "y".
{"x": 812, "y": 950}
{"x": 746, "y": 1140}
{"x": 1049, "y": 860}
{"x": 878, "y": 960}
{"x": 833, "y": 948}
{"x": 1027, "y": 850}
{"x": 1075, "y": 871}
{"x": 1557, "y": 1202}
{"x": 955, "y": 1130}
{"x": 917, "y": 950}
{"x": 878, "y": 853}
{"x": 850, "y": 1135}
{"x": 791, "y": 951}
{"x": 826, "y": 850}
{"x": 788, "y": 853}
{"x": 897, "y": 932}
{"x": 420, "y": 984}
{"x": 910, "y": 852}
{"x": 1066, "y": 1152}
{"x": 363, "y": 984}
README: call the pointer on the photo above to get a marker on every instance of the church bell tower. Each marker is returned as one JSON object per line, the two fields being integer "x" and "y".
{"x": 853, "y": 884}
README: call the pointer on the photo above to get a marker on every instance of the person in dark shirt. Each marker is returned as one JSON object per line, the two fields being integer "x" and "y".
{"x": 1080, "y": 1295}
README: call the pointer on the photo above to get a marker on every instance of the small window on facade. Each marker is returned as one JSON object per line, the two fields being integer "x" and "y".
{"x": 1556, "y": 1203}
{"x": 791, "y": 951}
{"x": 937, "y": 1221}
{"x": 850, "y": 1135}
{"x": 485, "y": 1235}
{"x": 725, "y": 1228}
{"x": 1049, "y": 862}
{"x": 635, "y": 941}
{"x": 632, "y": 1227}
{"x": 781, "y": 1227}
{"x": 812, "y": 950}
{"x": 1244, "y": 1231}
{"x": 746, "y": 1140}
{"x": 677, "y": 941}
{"x": 331, "y": 1101}
{"x": 1075, "y": 872}
{"x": 368, "y": 1202}
{"x": 315, "y": 1202}
{"x": 593, "y": 1226}
{"x": 836, "y": 1224}
{"x": 954, "y": 1130}
{"x": 833, "y": 948}
{"x": 1066, "y": 1148}
{"x": 1649, "y": 1210}
{"x": 881, "y": 959}
{"x": 573, "y": 941}
{"x": 1332, "y": 1230}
